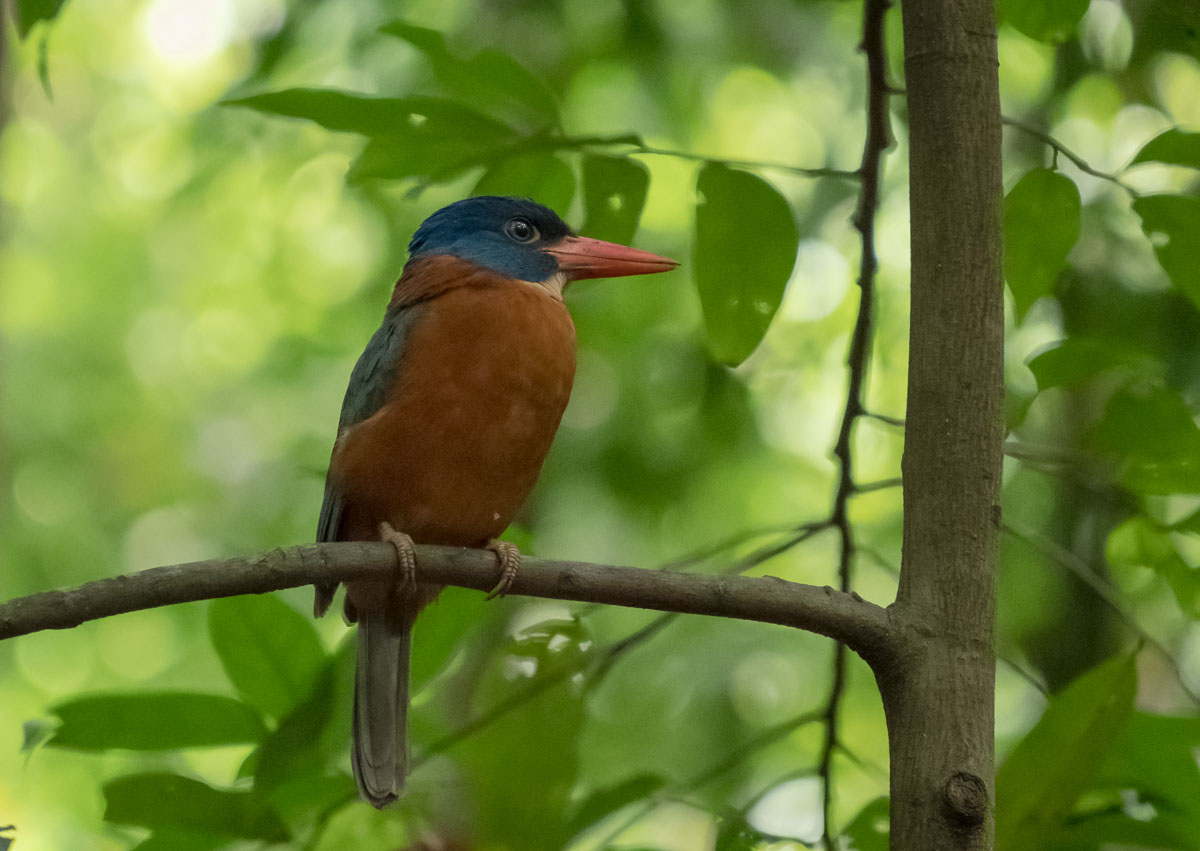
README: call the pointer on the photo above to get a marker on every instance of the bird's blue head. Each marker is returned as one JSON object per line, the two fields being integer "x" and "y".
{"x": 506, "y": 235}
{"x": 523, "y": 240}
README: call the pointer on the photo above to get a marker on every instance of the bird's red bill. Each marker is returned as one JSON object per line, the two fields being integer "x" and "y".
{"x": 583, "y": 257}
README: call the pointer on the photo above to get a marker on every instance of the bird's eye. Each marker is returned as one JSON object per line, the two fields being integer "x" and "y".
{"x": 520, "y": 230}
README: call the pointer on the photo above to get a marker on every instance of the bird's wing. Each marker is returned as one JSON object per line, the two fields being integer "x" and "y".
{"x": 370, "y": 382}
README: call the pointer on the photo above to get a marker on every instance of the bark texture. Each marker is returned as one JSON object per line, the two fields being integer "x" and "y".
{"x": 939, "y": 694}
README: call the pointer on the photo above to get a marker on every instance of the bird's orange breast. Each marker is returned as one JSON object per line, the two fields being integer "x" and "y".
{"x": 482, "y": 383}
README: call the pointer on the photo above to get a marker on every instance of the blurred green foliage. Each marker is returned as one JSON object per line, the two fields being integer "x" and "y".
{"x": 188, "y": 274}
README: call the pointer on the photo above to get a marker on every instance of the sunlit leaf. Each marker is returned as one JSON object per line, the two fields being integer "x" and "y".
{"x": 545, "y": 178}
{"x": 490, "y": 79}
{"x": 155, "y": 721}
{"x": 1190, "y": 523}
{"x": 746, "y": 242}
{"x": 1045, "y": 20}
{"x": 29, "y": 12}
{"x": 534, "y": 747}
{"x": 1076, "y": 360}
{"x": 614, "y": 193}
{"x": 1173, "y": 147}
{"x": 1138, "y": 543}
{"x": 868, "y": 831}
{"x": 1154, "y": 755}
{"x": 1172, "y": 222}
{"x": 162, "y": 801}
{"x": 1041, "y": 780}
{"x": 271, "y": 652}
{"x": 1041, "y": 226}
{"x": 735, "y": 833}
{"x": 604, "y": 802}
{"x": 352, "y": 112}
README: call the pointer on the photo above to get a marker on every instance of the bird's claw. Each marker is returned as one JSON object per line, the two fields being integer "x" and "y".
{"x": 406, "y": 557}
{"x": 508, "y": 557}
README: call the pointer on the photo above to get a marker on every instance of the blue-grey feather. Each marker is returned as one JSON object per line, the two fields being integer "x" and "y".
{"x": 370, "y": 381}
{"x": 473, "y": 229}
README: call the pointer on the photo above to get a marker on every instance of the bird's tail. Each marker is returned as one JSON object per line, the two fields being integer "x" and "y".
{"x": 380, "y": 752}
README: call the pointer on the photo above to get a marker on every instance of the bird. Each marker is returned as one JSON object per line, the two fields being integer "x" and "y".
{"x": 448, "y": 416}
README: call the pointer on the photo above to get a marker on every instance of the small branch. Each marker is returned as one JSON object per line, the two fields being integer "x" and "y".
{"x": 1035, "y": 454}
{"x": 881, "y": 485}
{"x": 754, "y": 164}
{"x": 767, "y": 599}
{"x": 632, "y": 140}
{"x": 611, "y": 654}
{"x": 1059, "y": 148}
{"x": 878, "y": 139}
{"x": 885, "y": 419}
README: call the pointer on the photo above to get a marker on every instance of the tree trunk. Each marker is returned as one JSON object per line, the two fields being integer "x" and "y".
{"x": 938, "y": 694}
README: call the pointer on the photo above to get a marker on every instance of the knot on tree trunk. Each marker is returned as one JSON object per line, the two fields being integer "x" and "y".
{"x": 966, "y": 798}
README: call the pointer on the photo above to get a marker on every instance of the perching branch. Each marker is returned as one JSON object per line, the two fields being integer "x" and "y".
{"x": 846, "y": 617}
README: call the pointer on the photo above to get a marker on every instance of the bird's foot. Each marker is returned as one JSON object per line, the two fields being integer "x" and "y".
{"x": 508, "y": 557}
{"x": 406, "y": 556}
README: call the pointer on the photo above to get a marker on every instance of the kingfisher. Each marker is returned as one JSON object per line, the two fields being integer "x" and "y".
{"x": 448, "y": 416}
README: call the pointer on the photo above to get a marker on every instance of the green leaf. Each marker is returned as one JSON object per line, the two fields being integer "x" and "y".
{"x": 746, "y": 242}
{"x": 1139, "y": 543}
{"x": 162, "y": 801}
{"x": 372, "y": 116}
{"x": 534, "y": 748}
{"x": 298, "y": 746}
{"x": 1119, "y": 831}
{"x": 1190, "y": 524}
{"x": 29, "y": 12}
{"x": 428, "y": 154}
{"x": 545, "y": 178}
{"x": 1173, "y": 147}
{"x": 604, "y": 802}
{"x": 155, "y": 722}
{"x": 1044, "y": 20}
{"x": 734, "y": 833}
{"x": 1172, "y": 222}
{"x": 869, "y": 830}
{"x": 271, "y": 652}
{"x": 35, "y": 733}
{"x": 614, "y": 194}
{"x": 1150, "y": 432}
{"x": 1041, "y": 226}
{"x": 1154, "y": 755}
{"x": 1077, "y": 360}
{"x": 1039, "y": 783}
{"x": 439, "y": 637}
{"x": 176, "y": 840}
{"x": 490, "y": 79}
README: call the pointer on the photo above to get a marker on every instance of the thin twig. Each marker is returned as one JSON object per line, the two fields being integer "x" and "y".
{"x": 804, "y": 171}
{"x": 878, "y": 139}
{"x": 1059, "y": 148}
{"x": 611, "y": 654}
{"x": 884, "y": 418}
{"x": 881, "y": 485}
{"x": 729, "y": 762}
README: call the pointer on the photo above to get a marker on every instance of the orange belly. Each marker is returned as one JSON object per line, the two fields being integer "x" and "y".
{"x": 449, "y": 459}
